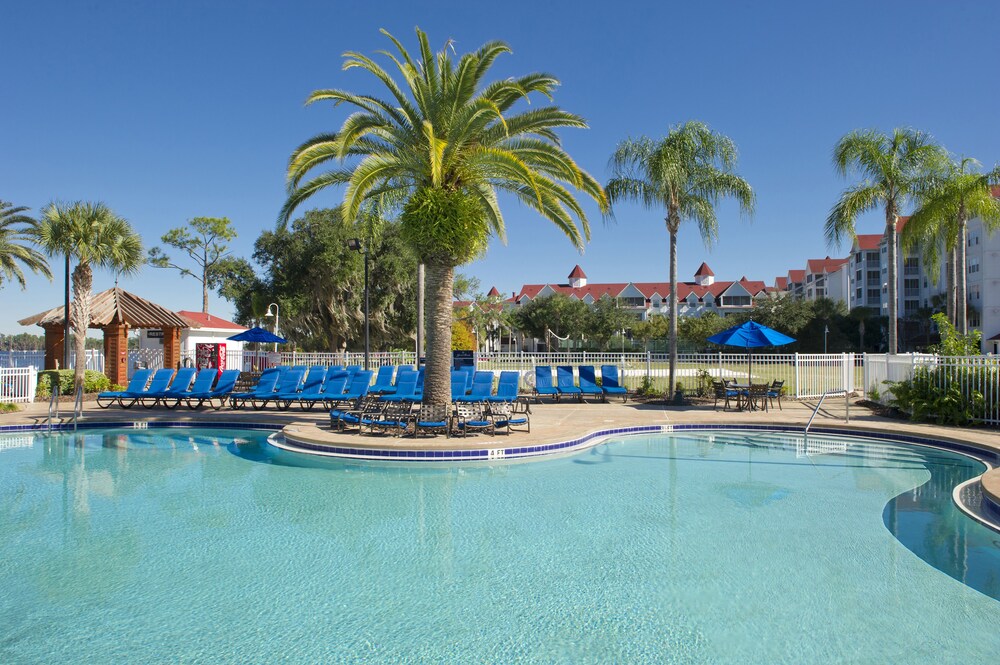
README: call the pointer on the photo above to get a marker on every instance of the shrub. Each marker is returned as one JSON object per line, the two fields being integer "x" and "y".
{"x": 9, "y": 407}
{"x": 93, "y": 382}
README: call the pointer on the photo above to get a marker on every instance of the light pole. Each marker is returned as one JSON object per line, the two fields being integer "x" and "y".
{"x": 826, "y": 331}
{"x": 356, "y": 245}
{"x": 275, "y": 315}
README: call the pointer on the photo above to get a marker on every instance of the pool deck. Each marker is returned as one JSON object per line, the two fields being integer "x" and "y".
{"x": 551, "y": 422}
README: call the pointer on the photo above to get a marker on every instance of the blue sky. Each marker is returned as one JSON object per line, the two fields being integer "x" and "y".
{"x": 171, "y": 110}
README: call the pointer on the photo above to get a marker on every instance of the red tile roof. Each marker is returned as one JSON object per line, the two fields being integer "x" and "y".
{"x": 209, "y": 321}
{"x": 901, "y": 222}
{"x": 493, "y": 293}
{"x": 577, "y": 273}
{"x": 781, "y": 283}
{"x": 869, "y": 241}
{"x": 817, "y": 266}
{"x": 995, "y": 191}
{"x": 796, "y": 276}
{"x": 704, "y": 271}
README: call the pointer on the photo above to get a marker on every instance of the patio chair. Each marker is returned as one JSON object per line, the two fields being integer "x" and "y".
{"x": 158, "y": 384}
{"x": 180, "y": 384}
{"x": 482, "y": 388}
{"x": 473, "y": 416}
{"x": 565, "y": 383}
{"x": 311, "y": 385}
{"x": 432, "y": 418}
{"x": 366, "y": 409}
{"x": 222, "y": 391}
{"x": 395, "y": 419}
{"x": 333, "y": 386}
{"x": 757, "y": 396}
{"x": 507, "y": 387}
{"x": 136, "y": 384}
{"x": 288, "y": 384}
{"x": 588, "y": 383}
{"x": 543, "y": 383}
{"x": 722, "y": 392}
{"x": 405, "y": 389}
{"x": 266, "y": 383}
{"x": 507, "y": 416}
{"x": 203, "y": 382}
{"x": 774, "y": 393}
{"x": 383, "y": 380}
{"x": 610, "y": 384}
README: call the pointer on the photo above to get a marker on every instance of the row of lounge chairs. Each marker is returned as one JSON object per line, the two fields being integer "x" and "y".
{"x": 168, "y": 388}
{"x": 376, "y": 415}
{"x": 566, "y": 385}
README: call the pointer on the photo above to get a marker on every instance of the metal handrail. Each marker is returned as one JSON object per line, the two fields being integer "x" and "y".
{"x": 53, "y": 405}
{"x": 847, "y": 406}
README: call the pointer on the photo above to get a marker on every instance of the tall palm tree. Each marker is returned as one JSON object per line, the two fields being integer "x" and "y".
{"x": 438, "y": 150}
{"x": 686, "y": 172}
{"x": 950, "y": 200}
{"x": 893, "y": 167}
{"x": 95, "y": 236}
{"x": 17, "y": 229}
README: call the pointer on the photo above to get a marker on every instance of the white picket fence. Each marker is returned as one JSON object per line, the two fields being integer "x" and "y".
{"x": 18, "y": 384}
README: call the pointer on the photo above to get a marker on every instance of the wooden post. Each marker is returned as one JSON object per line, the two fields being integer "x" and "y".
{"x": 116, "y": 353}
{"x": 171, "y": 347}
{"x": 54, "y": 344}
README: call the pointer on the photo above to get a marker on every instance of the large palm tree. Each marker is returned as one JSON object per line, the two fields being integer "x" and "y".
{"x": 686, "y": 173}
{"x": 950, "y": 200}
{"x": 893, "y": 167}
{"x": 16, "y": 230}
{"x": 438, "y": 150}
{"x": 95, "y": 236}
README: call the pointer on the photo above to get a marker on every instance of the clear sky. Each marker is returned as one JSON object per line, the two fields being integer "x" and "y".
{"x": 171, "y": 110}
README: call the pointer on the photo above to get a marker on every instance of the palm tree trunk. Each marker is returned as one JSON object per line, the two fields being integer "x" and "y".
{"x": 437, "y": 379}
{"x": 890, "y": 231}
{"x": 672, "y": 228}
{"x": 83, "y": 279}
{"x": 951, "y": 279}
{"x": 961, "y": 299}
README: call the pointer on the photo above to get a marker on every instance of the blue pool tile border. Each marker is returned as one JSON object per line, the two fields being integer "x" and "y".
{"x": 138, "y": 425}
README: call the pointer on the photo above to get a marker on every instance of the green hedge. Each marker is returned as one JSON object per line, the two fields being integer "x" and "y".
{"x": 93, "y": 382}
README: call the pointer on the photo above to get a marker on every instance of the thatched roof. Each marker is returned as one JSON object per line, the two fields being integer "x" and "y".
{"x": 117, "y": 306}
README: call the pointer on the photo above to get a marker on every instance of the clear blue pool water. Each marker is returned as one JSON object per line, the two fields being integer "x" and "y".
{"x": 176, "y": 546}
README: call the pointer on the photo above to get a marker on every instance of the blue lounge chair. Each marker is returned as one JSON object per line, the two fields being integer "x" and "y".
{"x": 203, "y": 383}
{"x": 482, "y": 388}
{"x": 507, "y": 387}
{"x": 406, "y": 390}
{"x": 565, "y": 384}
{"x": 222, "y": 391}
{"x": 473, "y": 416}
{"x": 181, "y": 383}
{"x": 266, "y": 383}
{"x": 135, "y": 384}
{"x": 159, "y": 383}
{"x": 543, "y": 383}
{"x": 358, "y": 387}
{"x": 332, "y": 388}
{"x": 311, "y": 385}
{"x": 457, "y": 384}
{"x": 610, "y": 384}
{"x": 402, "y": 373}
{"x": 588, "y": 382}
{"x": 383, "y": 380}
{"x": 418, "y": 392}
{"x": 507, "y": 416}
{"x": 288, "y": 384}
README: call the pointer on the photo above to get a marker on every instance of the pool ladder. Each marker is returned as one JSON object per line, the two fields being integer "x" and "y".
{"x": 54, "y": 408}
{"x": 847, "y": 406}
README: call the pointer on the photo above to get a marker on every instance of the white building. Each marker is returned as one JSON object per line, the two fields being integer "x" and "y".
{"x": 206, "y": 328}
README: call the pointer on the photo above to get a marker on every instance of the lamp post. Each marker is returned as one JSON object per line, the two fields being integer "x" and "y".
{"x": 826, "y": 331}
{"x": 275, "y": 315}
{"x": 355, "y": 244}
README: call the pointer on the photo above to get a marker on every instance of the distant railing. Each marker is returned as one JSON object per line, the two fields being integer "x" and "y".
{"x": 18, "y": 384}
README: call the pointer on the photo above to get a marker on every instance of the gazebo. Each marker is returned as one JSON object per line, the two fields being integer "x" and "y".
{"x": 114, "y": 311}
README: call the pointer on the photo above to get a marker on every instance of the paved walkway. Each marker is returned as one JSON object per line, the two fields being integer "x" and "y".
{"x": 550, "y": 422}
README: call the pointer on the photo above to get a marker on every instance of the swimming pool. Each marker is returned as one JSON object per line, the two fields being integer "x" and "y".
{"x": 200, "y": 545}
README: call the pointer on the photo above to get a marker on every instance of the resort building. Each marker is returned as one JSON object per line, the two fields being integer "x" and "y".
{"x": 206, "y": 329}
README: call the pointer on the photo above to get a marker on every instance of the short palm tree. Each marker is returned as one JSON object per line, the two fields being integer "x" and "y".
{"x": 438, "y": 150}
{"x": 95, "y": 236}
{"x": 17, "y": 229}
{"x": 893, "y": 167}
{"x": 686, "y": 173}
{"x": 949, "y": 201}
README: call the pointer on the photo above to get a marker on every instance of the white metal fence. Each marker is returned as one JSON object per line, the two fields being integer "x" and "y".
{"x": 974, "y": 381}
{"x": 18, "y": 384}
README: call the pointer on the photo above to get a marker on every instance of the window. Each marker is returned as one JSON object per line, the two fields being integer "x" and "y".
{"x": 973, "y": 265}
{"x": 911, "y": 266}
{"x": 632, "y": 302}
{"x": 911, "y": 288}
{"x": 910, "y": 307}
{"x": 859, "y": 292}
{"x": 874, "y": 295}
{"x": 736, "y": 301}
{"x": 873, "y": 257}
{"x": 873, "y": 277}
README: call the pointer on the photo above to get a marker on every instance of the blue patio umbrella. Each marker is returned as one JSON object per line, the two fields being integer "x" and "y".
{"x": 749, "y": 336}
{"x": 257, "y": 335}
